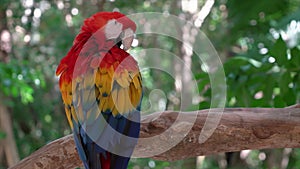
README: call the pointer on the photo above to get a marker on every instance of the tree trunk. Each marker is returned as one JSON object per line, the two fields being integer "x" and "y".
{"x": 8, "y": 143}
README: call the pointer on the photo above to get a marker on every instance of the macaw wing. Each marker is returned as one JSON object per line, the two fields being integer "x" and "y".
{"x": 103, "y": 109}
{"x": 65, "y": 83}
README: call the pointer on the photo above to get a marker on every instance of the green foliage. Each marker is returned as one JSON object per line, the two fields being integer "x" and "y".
{"x": 265, "y": 74}
{"x": 279, "y": 51}
{"x": 18, "y": 78}
{"x": 294, "y": 161}
{"x": 259, "y": 83}
{"x": 254, "y": 17}
{"x": 2, "y": 135}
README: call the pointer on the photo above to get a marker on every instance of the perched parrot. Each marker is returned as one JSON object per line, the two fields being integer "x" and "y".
{"x": 101, "y": 88}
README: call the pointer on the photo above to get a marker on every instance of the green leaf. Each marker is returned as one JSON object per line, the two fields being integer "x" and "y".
{"x": 284, "y": 81}
{"x": 255, "y": 82}
{"x": 265, "y": 67}
{"x": 279, "y": 52}
{"x": 243, "y": 97}
{"x": 203, "y": 81}
{"x": 289, "y": 97}
{"x": 269, "y": 88}
{"x": 204, "y": 105}
{"x": 258, "y": 103}
{"x": 2, "y": 135}
{"x": 295, "y": 58}
{"x": 26, "y": 94}
{"x": 279, "y": 102}
{"x": 242, "y": 61}
{"x": 14, "y": 91}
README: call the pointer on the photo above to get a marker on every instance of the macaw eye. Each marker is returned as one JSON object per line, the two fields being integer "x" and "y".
{"x": 113, "y": 21}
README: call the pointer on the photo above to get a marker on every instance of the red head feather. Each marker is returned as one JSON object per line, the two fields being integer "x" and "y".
{"x": 92, "y": 26}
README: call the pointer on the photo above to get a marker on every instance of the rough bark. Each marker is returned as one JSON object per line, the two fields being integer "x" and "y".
{"x": 239, "y": 129}
{"x": 58, "y": 154}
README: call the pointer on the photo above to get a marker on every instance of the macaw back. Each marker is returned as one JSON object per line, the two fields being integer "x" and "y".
{"x": 101, "y": 87}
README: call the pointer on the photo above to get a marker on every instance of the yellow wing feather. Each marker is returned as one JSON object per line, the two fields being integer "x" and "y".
{"x": 122, "y": 90}
{"x": 126, "y": 91}
{"x": 119, "y": 93}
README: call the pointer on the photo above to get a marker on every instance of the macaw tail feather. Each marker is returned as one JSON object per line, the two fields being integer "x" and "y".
{"x": 91, "y": 152}
{"x": 119, "y": 162}
{"x": 107, "y": 161}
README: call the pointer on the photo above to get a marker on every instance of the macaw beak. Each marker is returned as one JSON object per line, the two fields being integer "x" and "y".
{"x": 127, "y": 37}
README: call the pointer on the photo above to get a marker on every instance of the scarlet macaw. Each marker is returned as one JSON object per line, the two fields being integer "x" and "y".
{"x": 101, "y": 88}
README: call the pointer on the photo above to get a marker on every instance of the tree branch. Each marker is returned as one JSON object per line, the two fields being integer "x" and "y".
{"x": 239, "y": 129}
{"x": 203, "y": 13}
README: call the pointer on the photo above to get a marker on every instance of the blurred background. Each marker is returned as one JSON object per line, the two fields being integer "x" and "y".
{"x": 258, "y": 42}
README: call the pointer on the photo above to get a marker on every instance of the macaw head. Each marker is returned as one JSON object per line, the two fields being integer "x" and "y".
{"x": 102, "y": 27}
{"x": 114, "y": 25}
